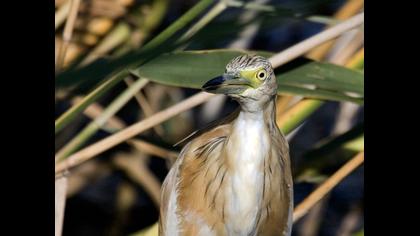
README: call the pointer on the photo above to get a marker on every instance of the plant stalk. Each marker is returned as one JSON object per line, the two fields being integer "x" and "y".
{"x": 97, "y": 123}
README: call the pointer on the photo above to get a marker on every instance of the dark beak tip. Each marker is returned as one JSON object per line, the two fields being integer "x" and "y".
{"x": 206, "y": 85}
{"x": 213, "y": 83}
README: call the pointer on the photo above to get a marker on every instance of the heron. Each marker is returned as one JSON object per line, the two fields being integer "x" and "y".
{"x": 234, "y": 177}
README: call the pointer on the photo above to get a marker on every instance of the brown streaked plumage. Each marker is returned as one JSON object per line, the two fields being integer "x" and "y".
{"x": 233, "y": 178}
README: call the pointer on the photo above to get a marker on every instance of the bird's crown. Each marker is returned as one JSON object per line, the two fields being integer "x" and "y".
{"x": 249, "y": 62}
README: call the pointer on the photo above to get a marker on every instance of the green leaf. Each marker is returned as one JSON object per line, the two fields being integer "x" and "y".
{"x": 191, "y": 69}
{"x": 321, "y": 80}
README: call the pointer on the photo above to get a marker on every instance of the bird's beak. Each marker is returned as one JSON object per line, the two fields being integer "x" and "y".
{"x": 227, "y": 84}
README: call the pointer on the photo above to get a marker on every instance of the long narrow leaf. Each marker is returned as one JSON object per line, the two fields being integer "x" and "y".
{"x": 191, "y": 69}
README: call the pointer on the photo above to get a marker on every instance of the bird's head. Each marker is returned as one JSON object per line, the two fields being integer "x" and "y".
{"x": 247, "y": 79}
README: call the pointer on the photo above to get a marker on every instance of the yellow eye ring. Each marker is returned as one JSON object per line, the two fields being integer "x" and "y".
{"x": 261, "y": 75}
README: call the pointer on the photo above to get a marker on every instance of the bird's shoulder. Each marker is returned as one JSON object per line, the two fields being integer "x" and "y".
{"x": 207, "y": 141}
{"x": 211, "y": 128}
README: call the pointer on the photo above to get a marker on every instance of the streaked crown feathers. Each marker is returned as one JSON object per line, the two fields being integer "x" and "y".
{"x": 249, "y": 62}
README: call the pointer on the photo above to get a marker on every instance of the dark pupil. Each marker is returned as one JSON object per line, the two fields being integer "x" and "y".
{"x": 262, "y": 75}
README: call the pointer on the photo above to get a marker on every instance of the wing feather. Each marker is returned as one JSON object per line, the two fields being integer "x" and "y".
{"x": 232, "y": 116}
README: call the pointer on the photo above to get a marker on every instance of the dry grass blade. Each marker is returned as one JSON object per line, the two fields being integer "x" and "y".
{"x": 317, "y": 53}
{"x": 313, "y": 221}
{"x": 68, "y": 32}
{"x": 350, "y": 221}
{"x": 114, "y": 123}
{"x": 116, "y": 37}
{"x": 118, "y": 75}
{"x": 349, "y": 49}
{"x": 331, "y": 33}
{"x": 145, "y": 106}
{"x": 60, "y": 202}
{"x": 327, "y": 186}
{"x": 131, "y": 131}
{"x": 140, "y": 174}
{"x": 349, "y": 9}
{"x": 97, "y": 123}
{"x": 152, "y": 149}
{"x": 87, "y": 100}
{"x": 62, "y": 13}
{"x": 95, "y": 110}
{"x": 137, "y": 170}
{"x": 278, "y": 59}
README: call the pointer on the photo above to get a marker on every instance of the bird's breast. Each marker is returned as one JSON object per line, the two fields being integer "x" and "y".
{"x": 246, "y": 150}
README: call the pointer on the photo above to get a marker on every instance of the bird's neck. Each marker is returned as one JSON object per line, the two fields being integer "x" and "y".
{"x": 250, "y": 137}
{"x": 262, "y": 112}
{"x": 249, "y": 140}
{"x": 247, "y": 149}
{"x": 251, "y": 131}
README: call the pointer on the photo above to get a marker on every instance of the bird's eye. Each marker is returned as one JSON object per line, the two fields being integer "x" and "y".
{"x": 261, "y": 75}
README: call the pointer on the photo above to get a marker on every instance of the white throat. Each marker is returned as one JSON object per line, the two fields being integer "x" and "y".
{"x": 247, "y": 147}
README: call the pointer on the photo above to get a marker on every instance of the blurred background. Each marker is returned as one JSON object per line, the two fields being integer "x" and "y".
{"x": 117, "y": 192}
